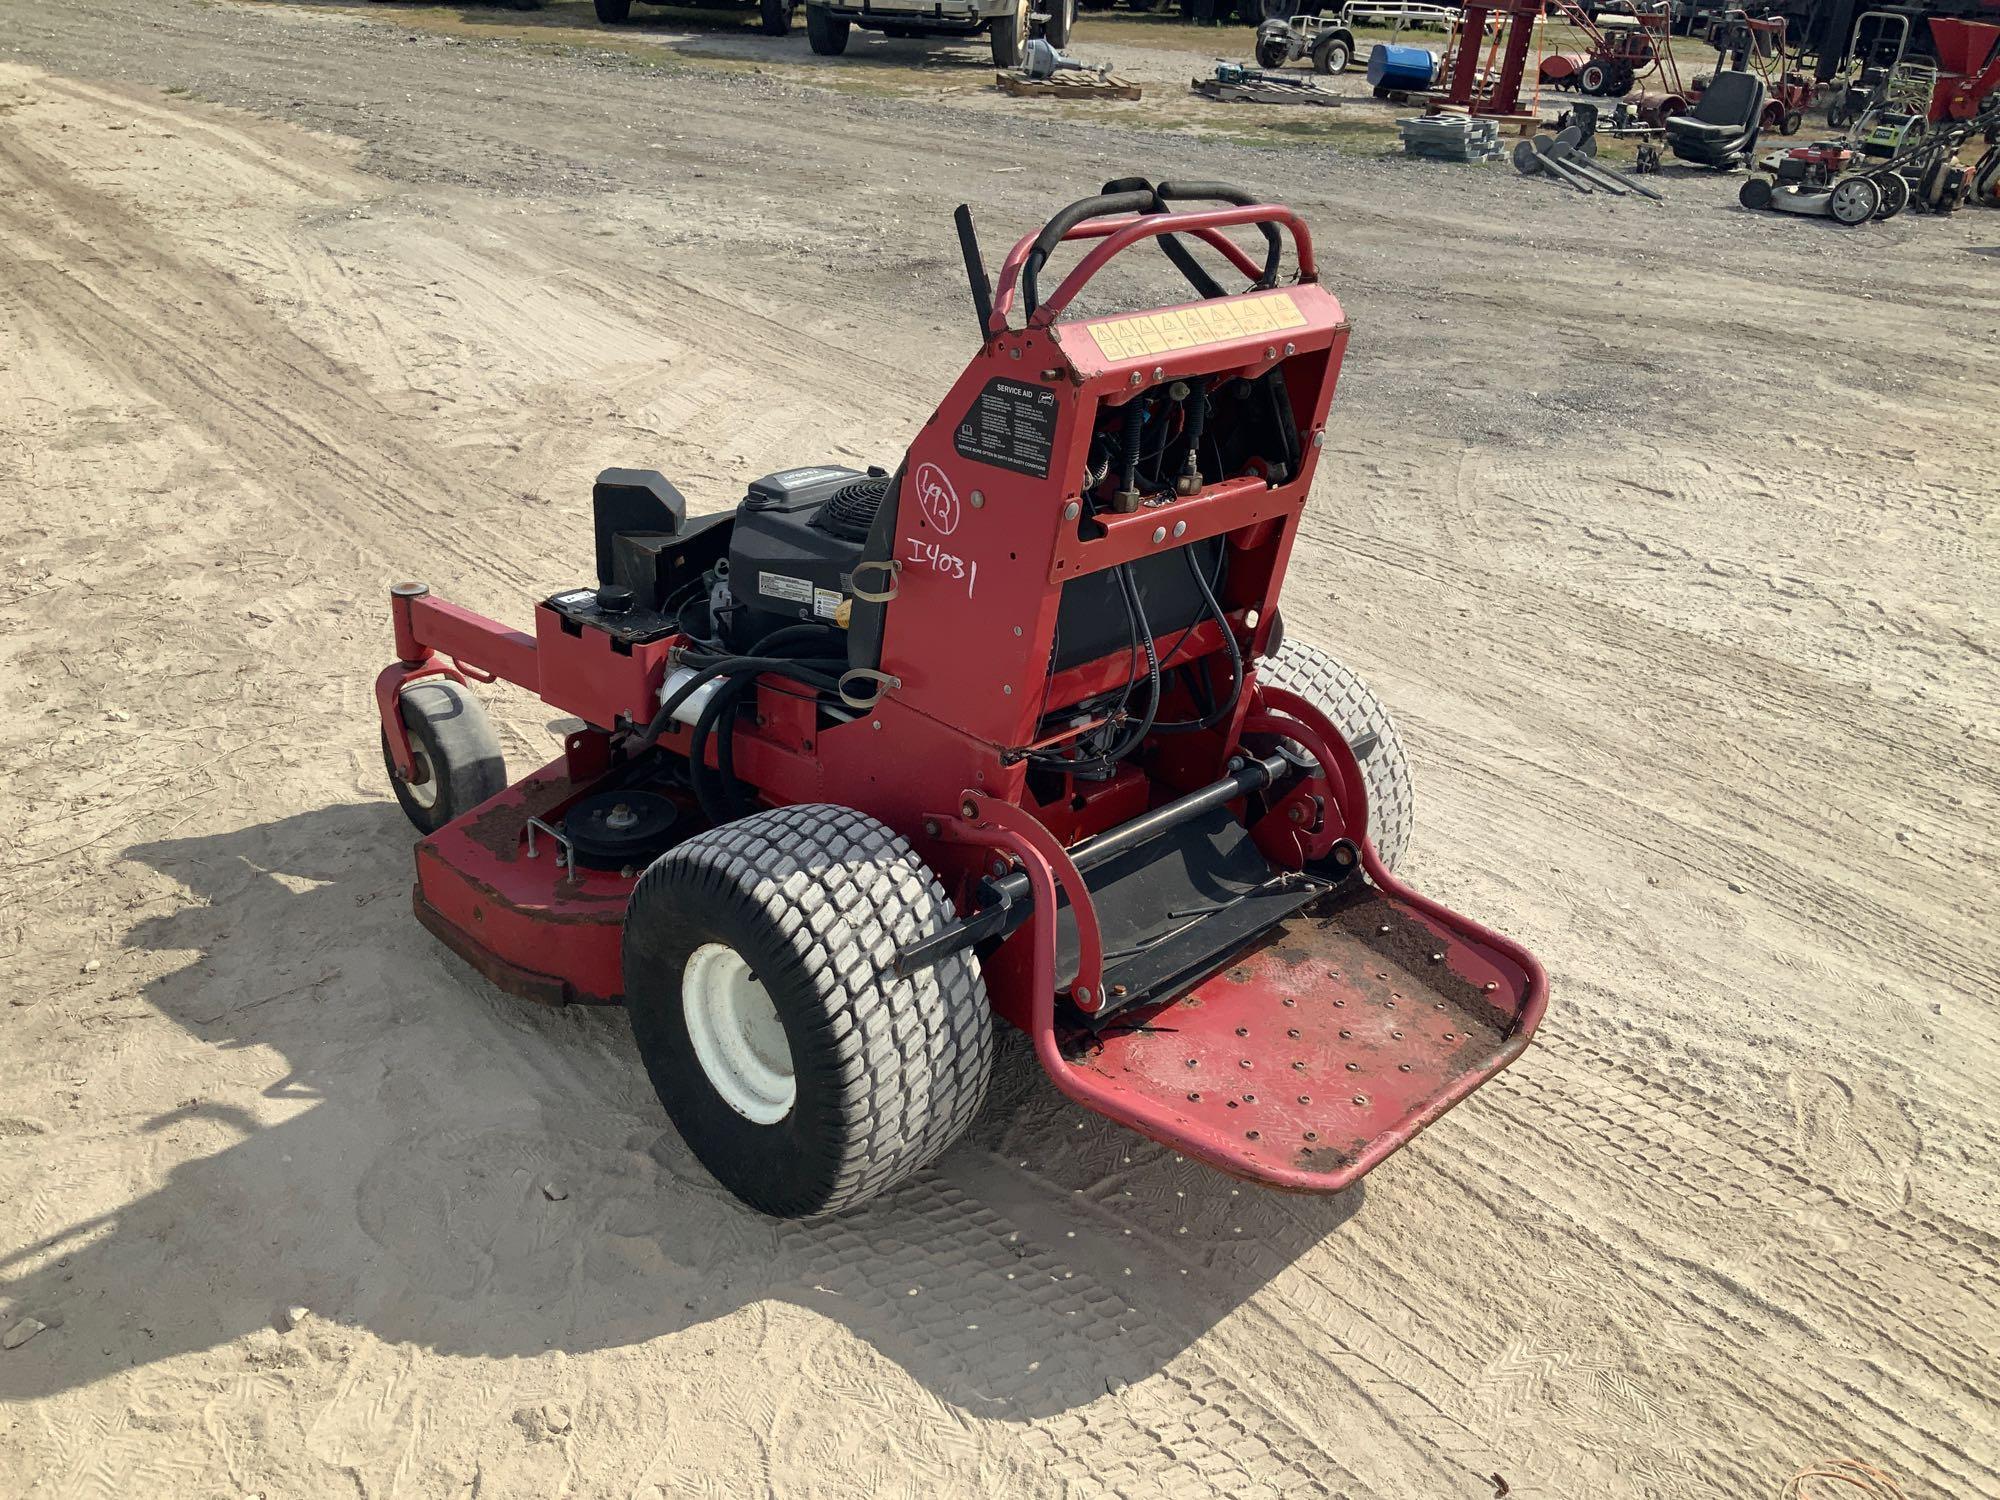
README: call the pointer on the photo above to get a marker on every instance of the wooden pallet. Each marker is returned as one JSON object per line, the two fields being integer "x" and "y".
{"x": 1263, "y": 93}
{"x": 1086, "y": 86}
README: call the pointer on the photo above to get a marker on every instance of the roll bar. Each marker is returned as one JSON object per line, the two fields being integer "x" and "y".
{"x": 1104, "y": 216}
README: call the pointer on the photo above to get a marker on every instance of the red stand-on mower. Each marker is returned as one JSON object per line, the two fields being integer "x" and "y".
{"x": 1011, "y": 729}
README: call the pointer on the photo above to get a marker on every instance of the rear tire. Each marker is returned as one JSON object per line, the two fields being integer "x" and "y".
{"x": 458, "y": 759}
{"x": 774, "y": 17}
{"x": 1792, "y": 122}
{"x": 847, "y": 1078}
{"x": 1009, "y": 36}
{"x": 1360, "y": 716}
{"x": 1272, "y": 52}
{"x": 826, "y": 33}
{"x": 614, "y": 12}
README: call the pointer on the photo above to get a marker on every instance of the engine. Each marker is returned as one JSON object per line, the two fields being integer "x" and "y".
{"x": 798, "y": 535}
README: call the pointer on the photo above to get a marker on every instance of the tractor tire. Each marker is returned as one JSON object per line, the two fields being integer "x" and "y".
{"x": 1009, "y": 36}
{"x": 803, "y": 1073}
{"x": 614, "y": 12}
{"x": 1360, "y": 716}
{"x": 1756, "y": 192}
{"x": 1793, "y": 121}
{"x": 826, "y": 33}
{"x": 774, "y": 17}
{"x": 458, "y": 759}
{"x": 1594, "y": 78}
{"x": 1061, "y": 22}
{"x": 1333, "y": 56}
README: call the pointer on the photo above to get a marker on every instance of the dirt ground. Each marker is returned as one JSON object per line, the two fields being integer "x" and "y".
{"x": 1668, "y": 534}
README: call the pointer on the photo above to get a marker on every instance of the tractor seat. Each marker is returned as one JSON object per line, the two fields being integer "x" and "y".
{"x": 1730, "y": 104}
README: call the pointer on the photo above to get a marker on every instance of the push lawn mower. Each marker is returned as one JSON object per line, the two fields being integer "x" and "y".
{"x": 1013, "y": 728}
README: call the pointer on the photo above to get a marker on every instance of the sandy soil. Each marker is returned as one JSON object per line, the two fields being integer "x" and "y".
{"x": 1669, "y": 535}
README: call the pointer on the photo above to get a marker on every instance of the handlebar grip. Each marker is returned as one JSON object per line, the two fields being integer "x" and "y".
{"x": 1100, "y": 205}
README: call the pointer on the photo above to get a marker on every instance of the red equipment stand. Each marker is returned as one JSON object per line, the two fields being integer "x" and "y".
{"x": 1501, "y": 94}
{"x": 1968, "y": 55}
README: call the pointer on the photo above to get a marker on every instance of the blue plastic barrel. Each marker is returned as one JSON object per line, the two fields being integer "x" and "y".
{"x": 1393, "y": 67}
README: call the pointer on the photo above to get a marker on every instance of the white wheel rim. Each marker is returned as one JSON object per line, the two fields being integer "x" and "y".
{"x": 738, "y": 1039}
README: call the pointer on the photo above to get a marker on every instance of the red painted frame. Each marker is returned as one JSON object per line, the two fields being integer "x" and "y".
{"x": 983, "y": 553}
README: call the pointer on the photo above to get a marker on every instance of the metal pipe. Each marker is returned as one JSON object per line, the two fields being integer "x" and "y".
{"x": 1011, "y": 898}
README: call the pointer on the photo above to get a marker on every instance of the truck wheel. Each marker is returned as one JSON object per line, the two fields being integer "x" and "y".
{"x": 774, "y": 17}
{"x": 1360, "y": 716}
{"x": 1009, "y": 35}
{"x": 1061, "y": 22}
{"x": 1333, "y": 55}
{"x": 1257, "y": 12}
{"x": 826, "y": 33}
{"x": 614, "y": 12}
{"x": 458, "y": 759}
{"x": 803, "y": 1073}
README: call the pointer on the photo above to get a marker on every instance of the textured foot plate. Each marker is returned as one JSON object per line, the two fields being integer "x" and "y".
{"x": 1313, "y": 1055}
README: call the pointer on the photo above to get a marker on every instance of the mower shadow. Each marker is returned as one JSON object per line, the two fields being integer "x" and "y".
{"x": 448, "y": 1167}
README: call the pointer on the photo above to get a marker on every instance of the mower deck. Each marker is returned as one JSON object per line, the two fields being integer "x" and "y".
{"x": 534, "y": 924}
{"x": 1320, "y": 1051}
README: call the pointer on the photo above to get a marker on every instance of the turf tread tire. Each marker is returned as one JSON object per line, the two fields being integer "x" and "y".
{"x": 890, "y": 1070}
{"x": 1302, "y": 668}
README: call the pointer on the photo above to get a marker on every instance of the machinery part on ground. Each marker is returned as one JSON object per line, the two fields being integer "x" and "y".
{"x": 826, "y": 33}
{"x": 1722, "y": 130}
{"x": 458, "y": 762}
{"x": 1044, "y": 61}
{"x": 805, "y": 1075}
{"x": 1364, "y": 721}
{"x": 774, "y": 17}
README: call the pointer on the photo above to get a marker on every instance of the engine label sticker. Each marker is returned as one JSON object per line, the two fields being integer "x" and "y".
{"x": 938, "y": 499}
{"x": 1011, "y": 426}
{"x": 784, "y": 586}
{"x": 1190, "y": 327}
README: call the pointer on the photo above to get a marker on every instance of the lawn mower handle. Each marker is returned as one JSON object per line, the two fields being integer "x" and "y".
{"x": 1083, "y": 220}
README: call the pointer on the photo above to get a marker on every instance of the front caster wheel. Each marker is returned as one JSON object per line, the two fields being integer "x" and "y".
{"x": 803, "y": 1072}
{"x": 458, "y": 763}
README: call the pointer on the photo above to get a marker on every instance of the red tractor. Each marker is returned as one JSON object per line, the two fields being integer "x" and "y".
{"x": 1010, "y": 728}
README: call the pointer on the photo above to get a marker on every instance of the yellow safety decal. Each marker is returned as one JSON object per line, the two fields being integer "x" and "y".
{"x": 1217, "y": 322}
